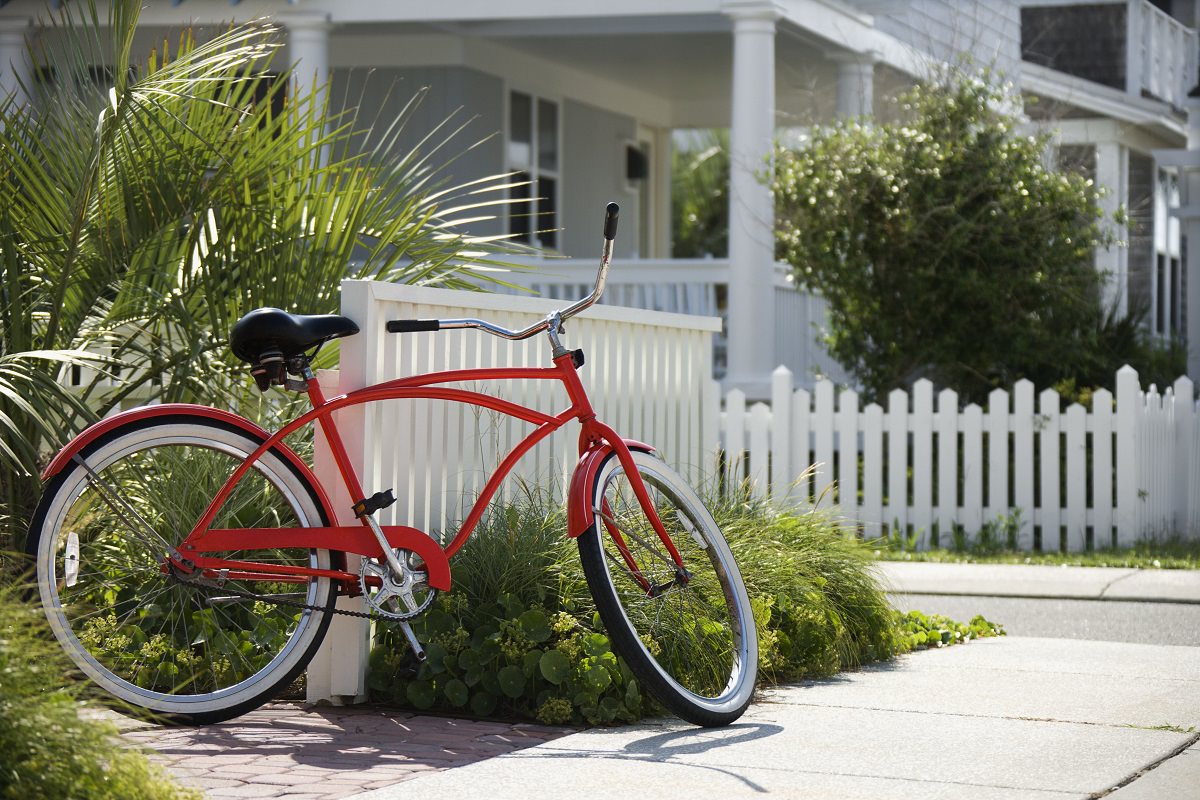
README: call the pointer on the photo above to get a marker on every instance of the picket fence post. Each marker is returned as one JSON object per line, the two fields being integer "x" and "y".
{"x": 1128, "y": 473}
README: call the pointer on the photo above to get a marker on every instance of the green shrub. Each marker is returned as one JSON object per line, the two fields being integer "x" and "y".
{"x": 519, "y": 635}
{"x": 50, "y": 749}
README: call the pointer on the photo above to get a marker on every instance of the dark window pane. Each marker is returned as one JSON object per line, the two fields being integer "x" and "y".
{"x": 519, "y": 212}
{"x": 520, "y": 131}
{"x": 547, "y": 218}
{"x": 547, "y": 135}
{"x": 1160, "y": 299}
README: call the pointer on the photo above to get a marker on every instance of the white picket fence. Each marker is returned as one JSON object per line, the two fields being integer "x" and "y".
{"x": 647, "y": 373}
{"x": 1077, "y": 477}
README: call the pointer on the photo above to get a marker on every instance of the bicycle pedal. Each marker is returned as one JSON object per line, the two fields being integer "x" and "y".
{"x": 374, "y": 503}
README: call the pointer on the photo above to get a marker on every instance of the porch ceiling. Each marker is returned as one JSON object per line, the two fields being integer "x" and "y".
{"x": 688, "y": 64}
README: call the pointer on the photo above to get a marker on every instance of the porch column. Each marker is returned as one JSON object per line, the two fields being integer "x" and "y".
{"x": 1190, "y": 221}
{"x": 751, "y": 328}
{"x": 15, "y": 67}
{"x": 308, "y": 51}
{"x": 855, "y": 84}
{"x": 1112, "y": 171}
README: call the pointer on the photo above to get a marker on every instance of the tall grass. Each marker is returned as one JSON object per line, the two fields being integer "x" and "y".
{"x": 49, "y": 749}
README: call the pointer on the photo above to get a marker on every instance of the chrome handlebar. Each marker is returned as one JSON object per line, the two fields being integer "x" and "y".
{"x": 552, "y": 320}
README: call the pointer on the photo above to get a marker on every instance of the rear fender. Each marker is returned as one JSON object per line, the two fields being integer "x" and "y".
{"x": 94, "y": 432}
{"x": 580, "y": 514}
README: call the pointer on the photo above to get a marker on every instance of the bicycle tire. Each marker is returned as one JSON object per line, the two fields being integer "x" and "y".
{"x": 151, "y": 642}
{"x": 693, "y": 646}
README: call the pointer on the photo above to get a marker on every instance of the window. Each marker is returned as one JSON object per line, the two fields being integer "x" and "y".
{"x": 533, "y": 154}
{"x": 1167, "y": 308}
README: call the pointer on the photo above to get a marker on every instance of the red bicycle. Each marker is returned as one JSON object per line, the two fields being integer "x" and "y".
{"x": 188, "y": 560}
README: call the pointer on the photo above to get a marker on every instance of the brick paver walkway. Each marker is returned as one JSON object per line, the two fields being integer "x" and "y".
{"x": 300, "y": 752}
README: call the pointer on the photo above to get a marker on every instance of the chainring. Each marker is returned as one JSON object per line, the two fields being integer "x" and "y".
{"x": 402, "y": 600}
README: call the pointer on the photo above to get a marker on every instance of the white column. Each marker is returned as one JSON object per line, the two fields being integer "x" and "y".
{"x": 751, "y": 329}
{"x": 855, "y": 83}
{"x": 15, "y": 67}
{"x": 1190, "y": 197}
{"x": 1112, "y": 170}
{"x": 308, "y": 51}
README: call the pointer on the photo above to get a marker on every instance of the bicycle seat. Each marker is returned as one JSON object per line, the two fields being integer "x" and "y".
{"x": 266, "y": 329}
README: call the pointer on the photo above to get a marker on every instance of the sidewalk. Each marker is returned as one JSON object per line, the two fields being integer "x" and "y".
{"x": 1000, "y": 718}
{"x": 1036, "y": 581}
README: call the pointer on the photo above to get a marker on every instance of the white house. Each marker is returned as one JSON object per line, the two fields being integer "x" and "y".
{"x": 587, "y": 94}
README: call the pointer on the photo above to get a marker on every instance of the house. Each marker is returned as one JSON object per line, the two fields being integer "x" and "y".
{"x": 587, "y": 94}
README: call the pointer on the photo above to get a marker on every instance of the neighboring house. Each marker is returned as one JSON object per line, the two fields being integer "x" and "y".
{"x": 586, "y": 95}
{"x": 1112, "y": 78}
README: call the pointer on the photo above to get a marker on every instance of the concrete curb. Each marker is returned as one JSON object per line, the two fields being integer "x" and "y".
{"x": 1037, "y": 582}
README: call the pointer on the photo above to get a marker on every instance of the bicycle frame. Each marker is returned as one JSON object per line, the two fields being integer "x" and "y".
{"x": 596, "y": 441}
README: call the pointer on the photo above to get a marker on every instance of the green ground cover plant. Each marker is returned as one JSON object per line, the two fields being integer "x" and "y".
{"x": 519, "y": 636}
{"x": 50, "y": 749}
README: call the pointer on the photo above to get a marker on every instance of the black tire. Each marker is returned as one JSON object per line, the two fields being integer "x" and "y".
{"x": 692, "y": 645}
{"x": 152, "y": 642}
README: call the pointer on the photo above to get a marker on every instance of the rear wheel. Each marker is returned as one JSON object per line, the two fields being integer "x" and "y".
{"x": 689, "y": 638}
{"x": 191, "y": 653}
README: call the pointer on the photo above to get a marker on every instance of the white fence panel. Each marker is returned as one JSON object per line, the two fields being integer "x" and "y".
{"x": 649, "y": 375}
{"x": 1077, "y": 478}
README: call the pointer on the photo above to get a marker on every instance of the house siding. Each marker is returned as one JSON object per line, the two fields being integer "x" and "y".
{"x": 1086, "y": 41}
{"x": 594, "y": 143}
{"x": 987, "y": 30}
{"x": 382, "y": 93}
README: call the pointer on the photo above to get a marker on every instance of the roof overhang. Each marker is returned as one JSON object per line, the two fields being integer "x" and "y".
{"x": 1102, "y": 100}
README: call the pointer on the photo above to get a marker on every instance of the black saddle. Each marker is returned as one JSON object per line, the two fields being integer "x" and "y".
{"x": 272, "y": 330}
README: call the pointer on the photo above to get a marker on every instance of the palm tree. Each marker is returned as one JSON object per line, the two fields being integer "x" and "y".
{"x": 140, "y": 220}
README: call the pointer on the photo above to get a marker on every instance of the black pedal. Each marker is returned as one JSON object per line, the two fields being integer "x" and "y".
{"x": 373, "y": 503}
{"x": 577, "y": 358}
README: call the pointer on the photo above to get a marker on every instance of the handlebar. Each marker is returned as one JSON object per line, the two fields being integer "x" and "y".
{"x": 611, "y": 213}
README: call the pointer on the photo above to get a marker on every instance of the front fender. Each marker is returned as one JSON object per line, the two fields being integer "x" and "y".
{"x": 95, "y": 431}
{"x": 580, "y": 514}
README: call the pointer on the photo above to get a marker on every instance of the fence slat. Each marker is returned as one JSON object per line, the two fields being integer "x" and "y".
{"x": 760, "y": 448}
{"x": 896, "y": 513}
{"x": 781, "y": 432}
{"x": 922, "y": 444}
{"x": 1051, "y": 466}
{"x": 847, "y": 434}
{"x": 801, "y": 454}
{"x": 874, "y": 524}
{"x": 823, "y": 426}
{"x": 947, "y": 465}
{"x": 1023, "y": 471}
{"x": 735, "y": 436}
{"x": 997, "y": 450}
{"x": 972, "y": 428}
{"x": 1076, "y": 517}
{"x": 1102, "y": 468}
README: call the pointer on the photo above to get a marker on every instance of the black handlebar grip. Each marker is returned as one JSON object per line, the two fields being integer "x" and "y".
{"x": 411, "y": 325}
{"x": 610, "y": 221}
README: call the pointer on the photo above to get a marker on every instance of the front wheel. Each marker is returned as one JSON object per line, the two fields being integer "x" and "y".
{"x": 688, "y": 635}
{"x": 190, "y": 653}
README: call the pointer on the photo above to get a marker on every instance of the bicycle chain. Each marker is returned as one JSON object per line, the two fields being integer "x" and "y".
{"x": 278, "y": 601}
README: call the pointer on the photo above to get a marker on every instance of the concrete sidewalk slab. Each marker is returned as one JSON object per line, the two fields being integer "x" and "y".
{"x": 1040, "y": 581}
{"x": 1002, "y": 718}
{"x": 1176, "y": 777}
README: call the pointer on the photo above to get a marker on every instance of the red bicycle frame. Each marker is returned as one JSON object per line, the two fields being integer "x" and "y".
{"x": 596, "y": 442}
